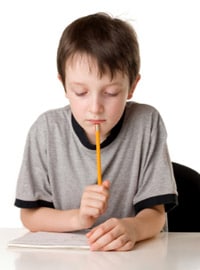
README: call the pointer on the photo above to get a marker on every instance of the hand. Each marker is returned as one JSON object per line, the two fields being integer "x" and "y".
{"x": 114, "y": 234}
{"x": 93, "y": 204}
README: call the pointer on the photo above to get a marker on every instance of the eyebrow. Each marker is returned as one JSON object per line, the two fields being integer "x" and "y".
{"x": 83, "y": 84}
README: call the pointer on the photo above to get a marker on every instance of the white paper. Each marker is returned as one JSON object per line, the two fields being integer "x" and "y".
{"x": 51, "y": 240}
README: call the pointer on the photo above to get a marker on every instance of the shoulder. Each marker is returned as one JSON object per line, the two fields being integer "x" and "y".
{"x": 53, "y": 116}
{"x": 143, "y": 117}
{"x": 51, "y": 119}
{"x": 140, "y": 108}
{"x": 141, "y": 112}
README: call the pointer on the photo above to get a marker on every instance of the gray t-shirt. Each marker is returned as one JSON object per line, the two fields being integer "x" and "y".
{"x": 59, "y": 163}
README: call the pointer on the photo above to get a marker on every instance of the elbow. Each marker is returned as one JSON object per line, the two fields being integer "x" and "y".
{"x": 27, "y": 219}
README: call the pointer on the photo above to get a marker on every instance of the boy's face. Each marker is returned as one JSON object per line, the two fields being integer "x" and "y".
{"x": 94, "y": 99}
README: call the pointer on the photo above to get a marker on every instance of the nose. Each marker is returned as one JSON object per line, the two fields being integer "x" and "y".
{"x": 96, "y": 104}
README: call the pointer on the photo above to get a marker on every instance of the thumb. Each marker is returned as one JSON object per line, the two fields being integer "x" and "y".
{"x": 106, "y": 184}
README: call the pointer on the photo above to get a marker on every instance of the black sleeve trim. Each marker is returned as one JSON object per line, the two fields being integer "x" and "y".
{"x": 169, "y": 201}
{"x": 33, "y": 204}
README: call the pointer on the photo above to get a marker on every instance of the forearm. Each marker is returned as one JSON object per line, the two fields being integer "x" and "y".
{"x": 48, "y": 219}
{"x": 122, "y": 234}
{"x": 147, "y": 223}
{"x": 93, "y": 204}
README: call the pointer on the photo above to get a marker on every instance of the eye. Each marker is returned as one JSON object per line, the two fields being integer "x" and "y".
{"x": 80, "y": 94}
{"x": 111, "y": 93}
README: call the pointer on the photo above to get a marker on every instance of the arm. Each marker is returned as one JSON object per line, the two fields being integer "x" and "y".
{"x": 122, "y": 234}
{"x": 93, "y": 204}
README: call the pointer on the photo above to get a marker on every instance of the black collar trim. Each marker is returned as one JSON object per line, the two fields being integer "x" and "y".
{"x": 84, "y": 140}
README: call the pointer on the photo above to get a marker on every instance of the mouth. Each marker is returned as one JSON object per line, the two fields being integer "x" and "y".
{"x": 96, "y": 121}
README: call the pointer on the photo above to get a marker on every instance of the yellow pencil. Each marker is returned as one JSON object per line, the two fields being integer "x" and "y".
{"x": 98, "y": 155}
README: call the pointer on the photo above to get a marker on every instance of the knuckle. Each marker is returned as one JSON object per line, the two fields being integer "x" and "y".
{"x": 122, "y": 241}
{"x": 111, "y": 236}
{"x": 114, "y": 220}
{"x": 129, "y": 245}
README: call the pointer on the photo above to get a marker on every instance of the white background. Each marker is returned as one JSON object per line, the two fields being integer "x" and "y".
{"x": 169, "y": 36}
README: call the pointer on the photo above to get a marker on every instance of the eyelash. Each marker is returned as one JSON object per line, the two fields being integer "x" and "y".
{"x": 105, "y": 93}
{"x": 80, "y": 94}
{"x": 111, "y": 94}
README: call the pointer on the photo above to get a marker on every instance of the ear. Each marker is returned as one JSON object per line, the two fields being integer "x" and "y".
{"x": 60, "y": 79}
{"x": 132, "y": 89}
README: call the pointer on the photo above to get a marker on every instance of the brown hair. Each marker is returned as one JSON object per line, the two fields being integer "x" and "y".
{"x": 111, "y": 41}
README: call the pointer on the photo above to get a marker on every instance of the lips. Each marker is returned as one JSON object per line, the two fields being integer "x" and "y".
{"x": 96, "y": 121}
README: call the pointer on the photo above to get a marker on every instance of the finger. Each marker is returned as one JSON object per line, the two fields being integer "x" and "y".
{"x": 90, "y": 211}
{"x": 108, "y": 242}
{"x": 102, "y": 229}
{"x": 98, "y": 188}
{"x": 122, "y": 243}
{"x": 98, "y": 206}
{"x": 128, "y": 246}
{"x": 95, "y": 234}
{"x": 99, "y": 193}
{"x": 101, "y": 239}
{"x": 94, "y": 196}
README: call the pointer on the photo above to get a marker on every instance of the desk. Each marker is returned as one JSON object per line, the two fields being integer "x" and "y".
{"x": 168, "y": 251}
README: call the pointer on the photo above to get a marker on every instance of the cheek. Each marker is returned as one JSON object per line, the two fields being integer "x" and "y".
{"x": 74, "y": 102}
{"x": 118, "y": 106}
{"x": 78, "y": 108}
{"x": 115, "y": 111}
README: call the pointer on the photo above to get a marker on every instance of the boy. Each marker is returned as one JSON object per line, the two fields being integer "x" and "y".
{"x": 98, "y": 64}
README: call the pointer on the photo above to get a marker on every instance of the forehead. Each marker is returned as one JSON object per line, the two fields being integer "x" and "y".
{"x": 89, "y": 64}
{"x": 79, "y": 60}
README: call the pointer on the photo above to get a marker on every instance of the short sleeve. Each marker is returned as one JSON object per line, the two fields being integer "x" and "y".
{"x": 157, "y": 184}
{"x": 33, "y": 187}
